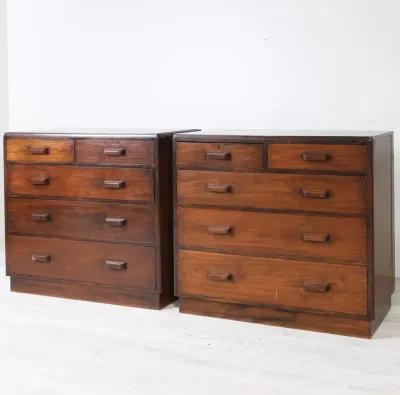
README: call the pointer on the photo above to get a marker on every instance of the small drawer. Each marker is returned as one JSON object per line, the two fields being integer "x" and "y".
{"x": 82, "y": 182}
{"x": 103, "y": 263}
{"x": 83, "y": 220}
{"x": 112, "y": 151}
{"x": 330, "y": 193}
{"x": 39, "y": 150}
{"x": 224, "y": 156}
{"x": 271, "y": 281}
{"x": 343, "y": 158}
{"x": 334, "y": 239}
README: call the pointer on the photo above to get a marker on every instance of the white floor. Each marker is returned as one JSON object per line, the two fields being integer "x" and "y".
{"x": 56, "y": 346}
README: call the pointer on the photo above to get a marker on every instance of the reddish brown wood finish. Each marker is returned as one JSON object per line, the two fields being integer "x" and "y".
{"x": 272, "y": 191}
{"x": 220, "y": 156}
{"x": 117, "y": 152}
{"x": 266, "y": 244}
{"x": 345, "y": 158}
{"x": 82, "y": 182}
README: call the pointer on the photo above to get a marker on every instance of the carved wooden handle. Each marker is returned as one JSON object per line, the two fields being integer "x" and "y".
{"x": 315, "y": 193}
{"x": 41, "y": 217}
{"x": 316, "y": 287}
{"x": 219, "y": 188}
{"x": 40, "y": 180}
{"x": 314, "y": 157}
{"x": 219, "y": 276}
{"x": 219, "y": 229}
{"x": 41, "y": 258}
{"x": 218, "y": 155}
{"x": 316, "y": 237}
{"x": 38, "y": 150}
{"x": 117, "y": 222}
{"x": 114, "y": 184}
{"x": 116, "y": 265}
{"x": 114, "y": 151}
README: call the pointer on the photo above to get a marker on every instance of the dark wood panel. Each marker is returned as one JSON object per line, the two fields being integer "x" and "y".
{"x": 39, "y": 150}
{"x": 114, "y": 151}
{"x": 220, "y": 156}
{"x": 265, "y": 315}
{"x": 270, "y": 281}
{"x": 328, "y": 193}
{"x": 341, "y": 239}
{"x": 82, "y": 261}
{"x": 82, "y": 220}
{"x": 346, "y": 158}
{"x": 82, "y": 182}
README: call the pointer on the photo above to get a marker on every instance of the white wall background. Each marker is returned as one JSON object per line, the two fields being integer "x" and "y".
{"x": 309, "y": 64}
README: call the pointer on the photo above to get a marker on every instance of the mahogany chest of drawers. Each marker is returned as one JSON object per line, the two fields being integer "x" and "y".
{"x": 88, "y": 215}
{"x": 291, "y": 229}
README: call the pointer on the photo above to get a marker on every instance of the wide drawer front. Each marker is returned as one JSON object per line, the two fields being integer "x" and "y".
{"x": 296, "y": 284}
{"x": 84, "y": 182}
{"x": 271, "y": 190}
{"x": 345, "y": 158}
{"x": 331, "y": 238}
{"x": 103, "y": 151}
{"x": 81, "y": 220}
{"x": 224, "y": 156}
{"x": 104, "y": 263}
{"x": 39, "y": 150}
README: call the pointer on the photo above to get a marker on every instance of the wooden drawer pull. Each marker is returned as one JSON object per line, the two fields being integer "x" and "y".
{"x": 41, "y": 217}
{"x": 114, "y": 151}
{"x": 117, "y": 222}
{"x": 218, "y": 155}
{"x": 315, "y": 193}
{"x": 38, "y": 150}
{"x": 316, "y": 287}
{"x": 219, "y": 188}
{"x": 219, "y": 230}
{"x": 41, "y": 258}
{"x": 316, "y": 237}
{"x": 111, "y": 184}
{"x": 314, "y": 157}
{"x": 40, "y": 180}
{"x": 220, "y": 276}
{"x": 116, "y": 265}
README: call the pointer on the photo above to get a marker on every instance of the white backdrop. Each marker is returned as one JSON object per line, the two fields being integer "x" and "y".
{"x": 309, "y": 64}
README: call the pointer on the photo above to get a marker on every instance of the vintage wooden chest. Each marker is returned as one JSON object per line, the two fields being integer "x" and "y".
{"x": 88, "y": 215}
{"x": 286, "y": 228}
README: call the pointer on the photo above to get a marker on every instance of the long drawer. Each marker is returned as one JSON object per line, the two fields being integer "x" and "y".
{"x": 334, "y": 238}
{"x": 103, "y": 263}
{"x": 242, "y": 279}
{"x": 82, "y": 220}
{"x": 272, "y": 190}
{"x": 81, "y": 182}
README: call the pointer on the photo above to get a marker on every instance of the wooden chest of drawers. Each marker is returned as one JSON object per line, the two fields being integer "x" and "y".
{"x": 291, "y": 229}
{"x": 88, "y": 215}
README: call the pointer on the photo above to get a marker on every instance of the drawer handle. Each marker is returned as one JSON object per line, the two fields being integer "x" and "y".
{"x": 218, "y": 155}
{"x": 40, "y": 180}
{"x": 114, "y": 151}
{"x": 117, "y": 222}
{"x": 220, "y": 276}
{"x": 111, "y": 184}
{"x": 116, "y": 265}
{"x": 38, "y": 150}
{"x": 314, "y": 157}
{"x": 219, "y": 230}
{"x": 315, "y": 287}
{"x": 316, "y": 237}
{"x": 315, "y": 193}
{"x": 41, "y": 258}
{"x": 41, "y": 217}
{"x": 219, "y": 188}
